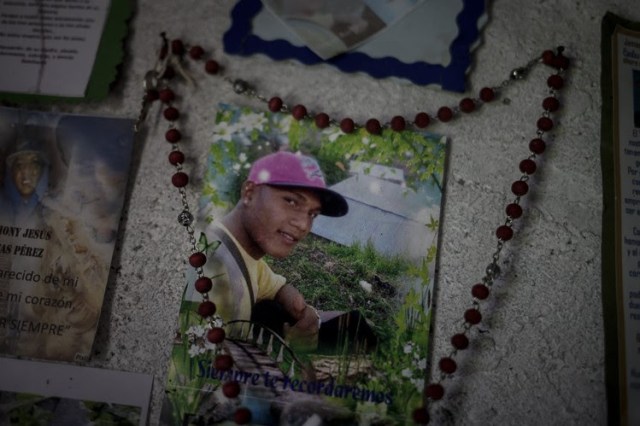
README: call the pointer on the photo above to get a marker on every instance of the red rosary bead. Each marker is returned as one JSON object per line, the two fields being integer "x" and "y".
{"x": 545, "y": 124}
{"x": 180, "y": 179}
{"x": 166, "y": 95}
{"x": 422, "y": 120}
{"x": 176, "y": 157}
{"x": 448, "y": 365}
{"x": 561, "y": 62}
{"x": 299, "y": 112}
{"x": 197, "y": 259}
{"x": 472, "y": 316}
{"x": 216, "y": 335}
{"x": 504, "y": 233}
{"x": 551, "y": 104}
{"x": 460, "y": 341}
{"x": 275, "y": 104}
{"x": 548, "y": 57}
{"x": 519, "y": 188}
{"x": 223, "y": 362}
{"x": 373, "y": 126}
{"x": 528, "y": 166}
{"x": 420, "y": 416}
{"x": 231, "y": 389}
{"x": 537, "y": 146}
{"x": 347, "y": 125}
{"x": 555, "y": 82}
{"x": 171, "y": 114}
{"x": 203, "y": 285}
{"x": 196, "y": 52}
{"x": 322, "y": 120}
{"x": 398, "y": 123}
{"x": 434, "y": 391}
{"x": 211, "y": 66}
{"x": 242, "y": 416}
{"x": 177, "y": 47}
{"x": 514, "y": 210}
{"x": 467, "y": 105}
{"x": 445, "y": 114}
{"x": 173, "y": 135}
{"x": 480, "y": 291}
{"x": 206, "y": 309}
{"x": 487, "y": 94}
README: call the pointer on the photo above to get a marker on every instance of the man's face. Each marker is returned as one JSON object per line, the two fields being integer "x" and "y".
{"x": 26, "y": 171}
{"x": 277, "y": 218}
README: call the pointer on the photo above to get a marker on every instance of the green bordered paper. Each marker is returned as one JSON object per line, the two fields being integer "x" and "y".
{"x": 48, "y": 51}
{"x": 620, "y": 151}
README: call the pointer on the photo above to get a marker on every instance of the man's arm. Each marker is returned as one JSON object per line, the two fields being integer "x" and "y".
{"x": 308, "y": 321}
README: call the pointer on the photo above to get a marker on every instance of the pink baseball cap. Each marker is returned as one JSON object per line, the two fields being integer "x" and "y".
{"x": 284, "y": 168}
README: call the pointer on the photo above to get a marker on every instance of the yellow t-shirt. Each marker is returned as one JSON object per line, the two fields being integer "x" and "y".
{"x": 230, "y": 292}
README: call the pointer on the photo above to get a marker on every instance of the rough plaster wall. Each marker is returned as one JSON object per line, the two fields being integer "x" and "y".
{"x": 538, "y": 356}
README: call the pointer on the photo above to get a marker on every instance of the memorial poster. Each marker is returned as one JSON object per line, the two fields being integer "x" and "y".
{"x": 351, "y": 222}
{"x": 62, "y": 187}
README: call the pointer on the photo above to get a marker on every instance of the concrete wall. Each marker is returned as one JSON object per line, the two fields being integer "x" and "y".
{"x": 538, "y": 356}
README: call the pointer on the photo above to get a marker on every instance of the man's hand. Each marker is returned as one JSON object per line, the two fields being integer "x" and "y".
{"x": 303, "y": 334}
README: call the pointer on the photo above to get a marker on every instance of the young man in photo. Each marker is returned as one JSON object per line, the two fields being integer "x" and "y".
{"x": 279, "y": 201}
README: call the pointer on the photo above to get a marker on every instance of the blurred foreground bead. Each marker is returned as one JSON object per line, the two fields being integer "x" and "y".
{"x": 167, "y": 95}
{"x": 555, "y": 82}
{"x": 177, "y": 47}
{"x": 545, "y": 124}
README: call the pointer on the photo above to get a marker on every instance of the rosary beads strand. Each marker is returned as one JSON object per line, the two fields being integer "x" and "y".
{"x": 171, "y": 64}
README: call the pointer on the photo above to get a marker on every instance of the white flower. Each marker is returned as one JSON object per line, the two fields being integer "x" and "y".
{"x": 242, "y": 157}
{"x": 408, "y": 348}
{"x": 224, "y": 131}
{"x": 422, "y": 364}
{"x": 406, "y": 373}
{"x": 252, "y": 121}
{"x": 236, "y": 167}
{"x": 194, "y": 350}
{"x": 418, "y": 383}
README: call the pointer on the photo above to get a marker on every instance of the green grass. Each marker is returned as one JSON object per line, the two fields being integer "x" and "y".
{"x": 328, "y": 275}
